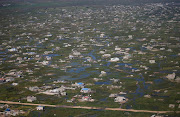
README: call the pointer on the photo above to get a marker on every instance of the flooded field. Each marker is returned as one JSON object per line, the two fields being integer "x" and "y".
{"x": 124, "y": 56}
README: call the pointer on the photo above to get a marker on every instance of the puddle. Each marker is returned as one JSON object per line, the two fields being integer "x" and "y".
{"x": 76, "y": 70}
{"x": 103, "y": 83}
{"x": 158, "y": 81}
{"x": 103, "y": 99}
{"x": 52, "y": 55}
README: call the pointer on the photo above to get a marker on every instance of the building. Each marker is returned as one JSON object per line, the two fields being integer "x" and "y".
{"x": 120, "y": 99}
{"x": 103, "y": 73}
{"x": 152, "y": 61}
{"x": 8, "y": 111}
{"x": 79, "y": 84}
{"x": 31, "y": 98}
{"x": 171, "y": 105}
{"x": 2, "y": 80}
{"x": 115, "y": 59}
{"x": 171, "y": 76}
{"x": 14, "y": 84}
{"x": 85, "y": 90}
{"x": 41, "y": 108}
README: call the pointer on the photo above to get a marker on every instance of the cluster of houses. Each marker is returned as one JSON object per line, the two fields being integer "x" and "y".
{"x": 8, "y": 112}
{"x": 91, "y": 43}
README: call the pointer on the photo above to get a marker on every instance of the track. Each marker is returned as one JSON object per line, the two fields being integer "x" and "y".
{"x": 86, "y": 107}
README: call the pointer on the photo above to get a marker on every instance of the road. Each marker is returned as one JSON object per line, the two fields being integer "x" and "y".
{"x": 86, "y": 107}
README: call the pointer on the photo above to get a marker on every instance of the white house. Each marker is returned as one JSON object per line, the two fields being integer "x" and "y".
{"x": 31, "y": 98}
{"x": 40, "y": 108}
{"x": 152, "y": 61}
{"x": 115, "y": 59}
{"x": 106, "y": 55}
{"x": 14, "y": 84}
{"x": 120, "y": 99}
{"x": 103, "y": 73}
{"x": 171, "y": 76}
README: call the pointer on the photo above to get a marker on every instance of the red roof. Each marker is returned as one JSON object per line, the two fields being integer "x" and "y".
{"x": 2, "y": 79}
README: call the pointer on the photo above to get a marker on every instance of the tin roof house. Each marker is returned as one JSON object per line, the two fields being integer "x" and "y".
{"x": 85, "y": 90}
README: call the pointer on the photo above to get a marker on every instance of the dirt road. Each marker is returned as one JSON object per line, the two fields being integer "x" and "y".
{"x": 86, "y": 107}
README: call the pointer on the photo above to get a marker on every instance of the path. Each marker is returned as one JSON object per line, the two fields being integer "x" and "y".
{"x": 85, "y": 107}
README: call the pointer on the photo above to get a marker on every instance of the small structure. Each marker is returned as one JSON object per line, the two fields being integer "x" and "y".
{"x": 2, "y": 80}
{"x": 112, "y": 95}
{"x": 8, "y": 111}
{"x": 71, "y": 100}
{"x": 171, "y": 105}
{"x": 12, "y": 50}
{"x": 87, "y": 98}
{"x": 63, "y": 93}
{"x": 35, "y": 88}
{"x": 120, "y": 99}
{"x": 147, "y": 96}
{"x": 171, "y": 76}
{"x": 2, "y": 105}
{"x": 152, "y": 61}
{"x": 31, "y": 98}
{"x": 115, "y": 59}
{"x": 106, "y": 55}
{"x": 103, "y": 73}
{"x": 177, "y": 79}
{"x": 85, "y": 90}
{"x": 14, "y": 84}
{"x": 79, "y": 84}
{"x": 41, "y": 108}
{"x": 76, "y": 53}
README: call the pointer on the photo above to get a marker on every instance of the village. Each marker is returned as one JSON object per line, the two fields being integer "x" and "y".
{"x": 110, "y": 56}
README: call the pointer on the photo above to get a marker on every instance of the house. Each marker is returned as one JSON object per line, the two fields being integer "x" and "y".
{"x": 35, "y": 88}
{"x": 103, "y": 73}
{"x": 177, "y": 79}
{"x": 79, "y": 84}
{"x": 147, "y": 96}
{"x": 2, "y": 80}
{"x": 171, "y": 76}
{"x": 12, "y": 50}
{"x": 85, "y": 90}
{"x": 157, "y": 115}
{"x": 76, "y": 53}
{"x": 152, "y": 61}
{"x": 71, "y": 100}
{"x": 106, "y": 55}
{"x": 41, "y": 108}
{"x": 112, "y": 95}
{"x": 115, "y": 59}
{"x": 114, "y": 80}
{"x": 63, "y": 93}
{"x": 120, "y": 99}
{"x": 102, "y": 35}
{"x": 9, "y": 79}
{"x": 130, "y": 36}
{"x": 31, "y": 98}
{"x": 14, "y": 84}
{"x": 14, "y": 112}
{"x": 2, "y": 105}
{"x": 8, "y": 111}
{"x": 171, "y": 105}
{"x": 127, "y": 56}
{"x": 71, "y": 57}
{"x": 86, "y": 98}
